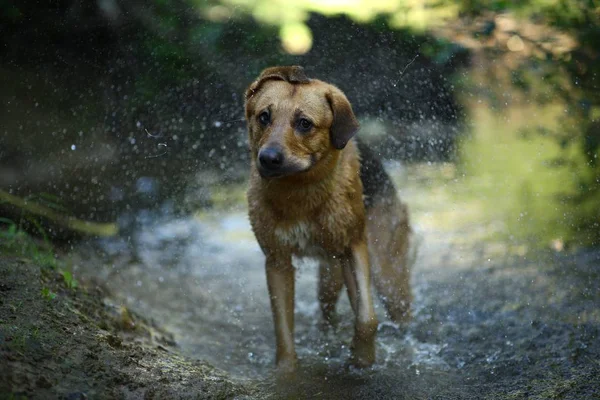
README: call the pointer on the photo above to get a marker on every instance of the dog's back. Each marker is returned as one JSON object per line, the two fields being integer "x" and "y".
{"x": 388, "y": 235}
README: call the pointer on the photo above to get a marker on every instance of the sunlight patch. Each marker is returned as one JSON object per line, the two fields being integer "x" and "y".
{"x": 296, "y": 38}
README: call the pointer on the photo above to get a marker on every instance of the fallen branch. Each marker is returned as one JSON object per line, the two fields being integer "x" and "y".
{"x": 64, "y": 221}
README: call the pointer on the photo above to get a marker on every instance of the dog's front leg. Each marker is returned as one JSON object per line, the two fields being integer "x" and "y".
{"x": 357, "y": 277}
{"x": 280, "y": 280}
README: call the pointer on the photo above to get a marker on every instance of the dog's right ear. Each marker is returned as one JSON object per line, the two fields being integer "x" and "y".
{"x": 291, "y": 74}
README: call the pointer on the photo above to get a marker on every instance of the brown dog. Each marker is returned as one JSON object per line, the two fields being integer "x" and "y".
{"x": 310, "y": 195}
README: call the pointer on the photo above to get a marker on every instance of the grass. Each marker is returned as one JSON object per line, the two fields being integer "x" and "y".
{"x": 16, "y": 242}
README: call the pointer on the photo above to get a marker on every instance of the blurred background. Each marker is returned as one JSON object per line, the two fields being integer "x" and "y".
{"x": 110, "y": 105}
{"x": 123, "y": 151}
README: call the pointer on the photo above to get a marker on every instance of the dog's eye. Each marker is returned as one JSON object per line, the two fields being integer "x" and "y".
{"x": 264, "y": 118}
{"x": 304, "y": 125}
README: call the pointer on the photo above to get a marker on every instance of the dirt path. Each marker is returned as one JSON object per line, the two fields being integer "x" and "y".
{"x": 491, "y": 318}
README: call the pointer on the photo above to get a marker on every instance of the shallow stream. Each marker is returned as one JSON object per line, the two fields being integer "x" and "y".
{"x": 492, "y": 317}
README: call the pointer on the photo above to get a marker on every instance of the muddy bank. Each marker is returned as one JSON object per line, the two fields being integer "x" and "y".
{"x": 79, "y": 343}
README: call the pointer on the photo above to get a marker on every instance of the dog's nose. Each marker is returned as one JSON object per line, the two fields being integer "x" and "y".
{"x": 270, "y": 158}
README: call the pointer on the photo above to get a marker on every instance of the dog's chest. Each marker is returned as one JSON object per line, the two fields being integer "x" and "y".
{"x": 301, "y": 237}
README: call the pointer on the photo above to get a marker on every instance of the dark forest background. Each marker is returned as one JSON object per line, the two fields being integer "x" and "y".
{"x": 110, "y": 106}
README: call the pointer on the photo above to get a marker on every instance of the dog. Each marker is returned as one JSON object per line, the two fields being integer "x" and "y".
{"x": 315, "y": 191}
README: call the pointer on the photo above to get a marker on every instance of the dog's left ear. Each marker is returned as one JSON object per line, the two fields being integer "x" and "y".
{"x": 344, "y": 125}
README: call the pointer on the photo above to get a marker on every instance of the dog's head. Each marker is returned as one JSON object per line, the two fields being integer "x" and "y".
{"x": 294, "y": 122}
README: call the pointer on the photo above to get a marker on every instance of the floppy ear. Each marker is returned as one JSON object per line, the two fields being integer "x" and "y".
{"x": 344, "y": 125}
{"x": 291, "y": 74}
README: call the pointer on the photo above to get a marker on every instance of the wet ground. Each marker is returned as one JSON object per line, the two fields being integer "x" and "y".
{"x": 493, "y": 318}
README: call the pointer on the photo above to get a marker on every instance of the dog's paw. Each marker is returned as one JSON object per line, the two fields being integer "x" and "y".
{"x": 363, "y": 354}
{"x": 287, "y": 366}
{"x": 361, "y": 362}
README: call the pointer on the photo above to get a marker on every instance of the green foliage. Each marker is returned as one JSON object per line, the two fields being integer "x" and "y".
{"x": 12, "y": 396}
{"x": 9, "y": 11}
{"x": 526, "y": 8}
{"x": 581, "y": 127}
{"x": 68, "y": 279}
{"x": 553, "y": 159}
{"x": 526, "y": 179}
{"x": 14, "y": 240}
{"x": 48, "y": 294}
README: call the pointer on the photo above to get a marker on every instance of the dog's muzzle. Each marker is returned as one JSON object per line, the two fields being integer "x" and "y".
{"x": 270, "y": 161}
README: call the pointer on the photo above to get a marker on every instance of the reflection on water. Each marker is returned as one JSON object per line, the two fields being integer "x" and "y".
{"x": 487, "y": 311}
{"x": 522, "y": 177}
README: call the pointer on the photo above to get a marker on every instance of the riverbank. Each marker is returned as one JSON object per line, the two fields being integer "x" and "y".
{"x": 60, "y": 338}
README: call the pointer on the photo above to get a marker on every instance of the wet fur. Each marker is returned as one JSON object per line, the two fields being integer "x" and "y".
{"x": 333, "y": 201}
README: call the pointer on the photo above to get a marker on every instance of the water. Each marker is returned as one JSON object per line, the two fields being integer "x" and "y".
{"x": 491, "y": 316}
